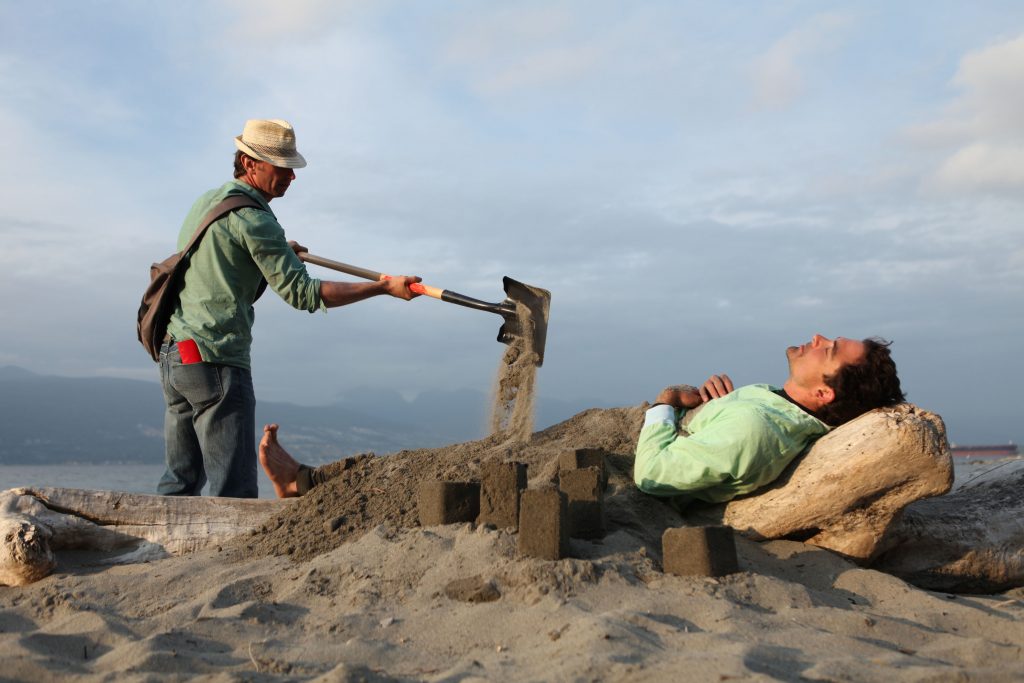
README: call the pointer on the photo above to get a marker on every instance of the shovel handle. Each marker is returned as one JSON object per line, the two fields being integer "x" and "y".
{"x": 339, "y": 266}
{"x": 365, "y": 273}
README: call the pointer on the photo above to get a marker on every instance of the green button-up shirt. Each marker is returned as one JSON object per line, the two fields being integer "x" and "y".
{"x": 736, "y": 444}
{"x": 216, "y": 304}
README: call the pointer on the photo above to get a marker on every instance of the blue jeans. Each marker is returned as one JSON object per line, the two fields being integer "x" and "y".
{"x": 209, "y": 428}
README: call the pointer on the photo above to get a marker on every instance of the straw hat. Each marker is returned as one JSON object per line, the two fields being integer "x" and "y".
{"x": 272, "y": 141}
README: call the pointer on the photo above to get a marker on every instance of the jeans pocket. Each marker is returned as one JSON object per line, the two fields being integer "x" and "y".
{"x": 199, "y": 383}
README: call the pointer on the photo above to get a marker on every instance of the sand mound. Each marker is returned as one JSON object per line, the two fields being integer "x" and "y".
{"x": 454, "y": 603}
{"x": 370, "y": 491}
{"x": 366, "y": 595}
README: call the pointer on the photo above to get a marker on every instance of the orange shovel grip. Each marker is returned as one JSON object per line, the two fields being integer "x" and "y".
{"x": 420, "y": 288}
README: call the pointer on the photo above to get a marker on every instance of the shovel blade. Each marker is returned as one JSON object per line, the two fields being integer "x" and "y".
{"x": 537, "y": 302}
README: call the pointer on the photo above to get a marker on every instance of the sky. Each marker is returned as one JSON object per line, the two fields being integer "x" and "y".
{"x": 699, "y": 185}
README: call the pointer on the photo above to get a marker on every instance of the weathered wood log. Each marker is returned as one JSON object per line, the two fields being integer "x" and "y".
{"x": 179, "y": 524}
{"x": 970, "y": 541}
{"x": 845, "y": 492}
{"x": 134, "y": 527}
{"x": 25, "y": 552}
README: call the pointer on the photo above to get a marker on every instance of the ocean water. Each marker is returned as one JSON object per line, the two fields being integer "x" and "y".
{"x": 143, "y": 478}
{"x": 131, "y": 478}
{"x": 972, "y": 471}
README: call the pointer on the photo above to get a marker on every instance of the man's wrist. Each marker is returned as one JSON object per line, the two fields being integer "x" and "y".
{"x": 661, "y": 413}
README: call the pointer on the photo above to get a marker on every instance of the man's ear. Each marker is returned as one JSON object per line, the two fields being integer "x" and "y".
{"x": 825, "y": 394}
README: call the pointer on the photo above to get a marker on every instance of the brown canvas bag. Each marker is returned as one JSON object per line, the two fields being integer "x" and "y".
{"x": 167, "y": 277}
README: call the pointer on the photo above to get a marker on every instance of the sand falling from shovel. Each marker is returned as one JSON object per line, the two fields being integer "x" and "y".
{"x": 512, "y": 412}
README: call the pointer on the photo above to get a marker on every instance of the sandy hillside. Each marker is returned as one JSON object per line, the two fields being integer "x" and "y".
{"x": 344, "y": 586}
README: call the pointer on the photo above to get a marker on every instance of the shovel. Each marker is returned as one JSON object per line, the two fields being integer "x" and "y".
{"x": 531, "y": 326}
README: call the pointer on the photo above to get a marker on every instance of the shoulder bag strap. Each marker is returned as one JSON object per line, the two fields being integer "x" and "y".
{"x": 225, "y": 206}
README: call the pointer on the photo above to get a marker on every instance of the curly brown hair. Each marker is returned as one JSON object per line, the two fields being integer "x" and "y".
{"x": 860, "y": 387}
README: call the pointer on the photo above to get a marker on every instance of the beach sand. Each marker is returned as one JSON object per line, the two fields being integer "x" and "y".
{"x": 343, "y": 586}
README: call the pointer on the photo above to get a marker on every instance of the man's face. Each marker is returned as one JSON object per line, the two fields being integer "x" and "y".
{"x": 810, "y": 363}
{"x": 272, "y": 181}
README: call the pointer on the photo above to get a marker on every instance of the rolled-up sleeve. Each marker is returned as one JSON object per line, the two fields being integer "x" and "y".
{"x": 285, "y": 273}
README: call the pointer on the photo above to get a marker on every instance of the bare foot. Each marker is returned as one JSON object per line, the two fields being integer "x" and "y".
{"x": 281, "y": 468}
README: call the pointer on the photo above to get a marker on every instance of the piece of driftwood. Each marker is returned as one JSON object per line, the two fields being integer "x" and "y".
{"x": 36, "y": 522}
{"x": 845, "y": 492}
{"x": 970, "y": 541}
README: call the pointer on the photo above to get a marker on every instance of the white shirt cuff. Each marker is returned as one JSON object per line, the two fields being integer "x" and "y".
{"x": 663, "y": 414}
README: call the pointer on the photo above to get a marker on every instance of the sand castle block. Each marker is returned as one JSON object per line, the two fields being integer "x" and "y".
{"x": 585, "y": 494}
{"x": 699, "y": 551}
{"x": 544, "y": 524}
{"x": 448, "y": 502}
{"x": 500, "y": 488}
{"x": 581, "y": 458}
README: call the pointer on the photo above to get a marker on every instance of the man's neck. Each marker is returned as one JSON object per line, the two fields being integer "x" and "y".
{"x": 245, "y": 179}
{"x": 798, "y": 397}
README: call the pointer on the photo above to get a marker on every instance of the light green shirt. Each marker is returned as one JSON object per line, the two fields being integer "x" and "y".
{"x": 215, "y": 307}
{"x": 736, "y": 444}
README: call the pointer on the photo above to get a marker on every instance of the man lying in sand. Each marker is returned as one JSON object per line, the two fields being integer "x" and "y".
{"x": 737, "y": 442}
{"x": 741, "y": 440}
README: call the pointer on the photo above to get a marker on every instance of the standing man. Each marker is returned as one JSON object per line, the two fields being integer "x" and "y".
{"x": 741, "y": 440}
{"x": 210, "y": 422}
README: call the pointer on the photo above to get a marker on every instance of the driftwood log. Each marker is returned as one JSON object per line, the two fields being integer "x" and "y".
{"x": 127, "y": 527}
{"x": 850, "y": 486}
{"x": 970, "y": 541}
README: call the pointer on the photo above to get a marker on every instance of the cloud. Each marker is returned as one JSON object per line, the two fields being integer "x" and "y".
{"x": 780, "y": 74}
{"x": 984, "y": 124}
{"x": 30, "y": 86}
{"x": 544, "y": 68}
{"x": 514, "y": 49}
{"x": 895, "y": 271}
{"x": 485, "y": 37}
{"x": 600, "y": 150}
{"x": 993, "y": 97}
{"x": 253, "y": 22}
{"x": 805, "y": 301}
{"x": 983, "y": 166}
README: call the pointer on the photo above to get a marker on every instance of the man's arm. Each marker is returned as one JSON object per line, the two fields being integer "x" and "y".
{"x": 342, "y": 293}
{"x": 683, "y": 396}
{"x": 335, "y": 294}
{"x": 668, "y": 464}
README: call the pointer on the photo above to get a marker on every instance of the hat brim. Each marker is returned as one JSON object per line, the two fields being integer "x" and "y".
{"x": 293, "y": 160}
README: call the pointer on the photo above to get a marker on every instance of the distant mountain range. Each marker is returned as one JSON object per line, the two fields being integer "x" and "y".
{"x": 47, "y": 419}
